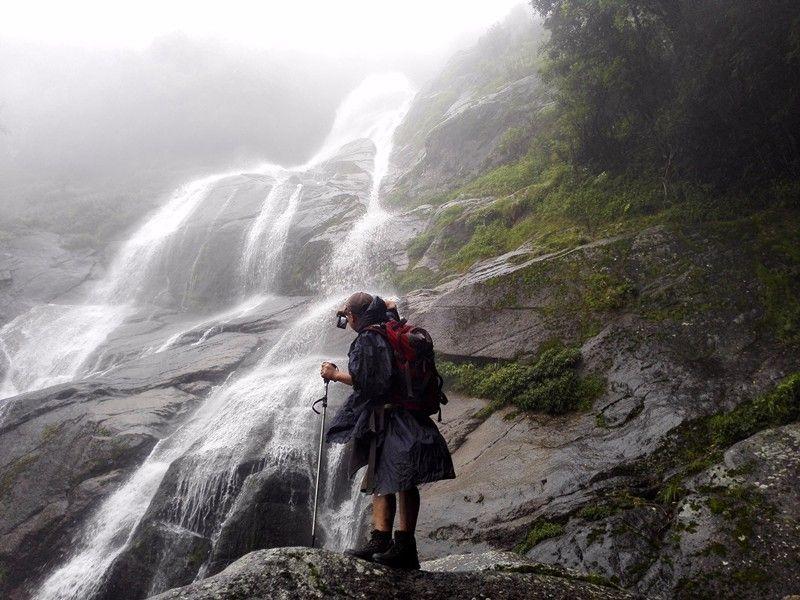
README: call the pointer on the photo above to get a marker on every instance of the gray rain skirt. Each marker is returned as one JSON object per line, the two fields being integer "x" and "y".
{"x": 409, "y": 451}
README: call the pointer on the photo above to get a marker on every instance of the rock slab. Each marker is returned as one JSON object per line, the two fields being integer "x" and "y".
{"x": 301, "y": 573}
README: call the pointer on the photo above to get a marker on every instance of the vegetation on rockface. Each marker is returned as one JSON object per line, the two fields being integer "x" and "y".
{"x": 507, "y": 52}
{"x": 691, "y": 448}
{"x": 556, "y": 211}
{"x": 696, "y": 445}
{"x": 540, "y": 531}
{"x": 550, "y": 385}
{"x": 704, "y": 91}
{"x": 632, "y": 142}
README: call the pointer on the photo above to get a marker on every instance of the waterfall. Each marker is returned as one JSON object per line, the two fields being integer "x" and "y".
{"x": 350, "y": 265}
{"x": 261, "y": 416}
{"x": 50, "y": 344}
{"x": 267, "y": 237}
{"x": 250, "y": 269}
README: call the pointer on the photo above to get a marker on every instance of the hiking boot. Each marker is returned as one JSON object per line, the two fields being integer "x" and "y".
{"x": 402, "y": 554}
{"x": 379, "y": 541}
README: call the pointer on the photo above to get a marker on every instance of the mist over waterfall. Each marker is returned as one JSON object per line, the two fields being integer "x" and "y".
{"x": 255, "y": 429}
{"x": 605, "y": 260}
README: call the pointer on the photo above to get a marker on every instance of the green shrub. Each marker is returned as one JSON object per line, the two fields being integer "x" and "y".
{"x": 541, "y": 531}
{"x": 550, "y": 385}
{"x": 606, "y": 292}
{"x": 417, "y": 247}
{"x": 778, "y": 407}
{"x": 595, "y": 512}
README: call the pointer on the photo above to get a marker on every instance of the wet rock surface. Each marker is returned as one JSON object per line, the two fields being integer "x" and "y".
{"x": 637, "y": 305}
{"x": 66, "y": 448}
{"x": 464, "y": 141}
{"x": 37, "y": 267}
{"x": 205, "y": 270}
{"x": 517, "y": 471}
{"x": 737, "y": 533}
{"x": 304, "y": 573}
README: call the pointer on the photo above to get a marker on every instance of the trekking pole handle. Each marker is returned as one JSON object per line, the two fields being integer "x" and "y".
{"x": 324, "y": 399}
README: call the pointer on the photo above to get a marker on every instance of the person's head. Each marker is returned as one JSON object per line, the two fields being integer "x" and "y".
{"x": 355, "y": 306}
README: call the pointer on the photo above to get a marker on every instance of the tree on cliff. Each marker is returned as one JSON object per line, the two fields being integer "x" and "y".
{"x": 701, "y": 90}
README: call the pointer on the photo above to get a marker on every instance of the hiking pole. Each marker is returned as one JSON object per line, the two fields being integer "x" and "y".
{"x": 324, "y": 401}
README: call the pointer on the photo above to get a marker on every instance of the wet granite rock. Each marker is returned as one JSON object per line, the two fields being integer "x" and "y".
{"x": 300, "y": 573}
{"x": 515, "y": 471}
{"x": 65, "y": 448}
{"x": 36, "y": 267}
{"x": 737, "y": 532}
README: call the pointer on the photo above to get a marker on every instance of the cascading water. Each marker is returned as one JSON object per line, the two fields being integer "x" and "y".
{"x": 267, "y": 237}
{"x": 50, "y": 344}
{"x": 71, "y": 334}
{"x": 259, "y": 418}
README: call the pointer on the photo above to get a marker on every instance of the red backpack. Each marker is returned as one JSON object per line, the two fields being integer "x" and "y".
{"x": 420, "y": 385}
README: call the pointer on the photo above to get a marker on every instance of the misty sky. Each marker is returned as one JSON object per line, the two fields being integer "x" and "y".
{"x": 92, "y": 89}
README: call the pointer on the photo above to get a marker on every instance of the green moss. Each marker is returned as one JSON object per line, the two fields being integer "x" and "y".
{"x": 716, "y": 505}
{"x": 415, "y": 279}
{"x": 417, "y": 247}
{"x": 50, "y": 432}
{"x": 606, "y": 292}
{"x": 781, "y": 298}
{"x": 778, "y": 407}
{"x": 595, "y": 512}
{"x": 316, "y": 578}
{"x": 555, "y": 571}
{"x": 539, "y": 532}
{"x": 505, "y": 179}
{"x": 14, "y": 470}
{"x": 696, "y": 445}
{"x": 671, "y": 492}
{"x": 550, "y": 385}
{"x": 714, "y": 549}
{"x": 420, "y": 244}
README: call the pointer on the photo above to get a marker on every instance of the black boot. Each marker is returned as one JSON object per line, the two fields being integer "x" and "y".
{"x": 402, "y": 554}
{"x": 379, "y": 541}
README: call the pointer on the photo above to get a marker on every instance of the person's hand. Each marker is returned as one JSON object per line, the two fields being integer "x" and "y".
{"x": 328, "y": 371}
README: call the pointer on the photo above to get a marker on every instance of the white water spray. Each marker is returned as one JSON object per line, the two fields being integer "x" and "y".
{"x": 50, "y": 344}
{"x": 267, "y": 237}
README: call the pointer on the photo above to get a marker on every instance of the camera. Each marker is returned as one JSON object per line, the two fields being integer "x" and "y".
{"x": 341, "y": 319}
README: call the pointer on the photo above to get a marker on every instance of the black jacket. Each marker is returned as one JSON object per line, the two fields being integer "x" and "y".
{"x": 411, "y": 450}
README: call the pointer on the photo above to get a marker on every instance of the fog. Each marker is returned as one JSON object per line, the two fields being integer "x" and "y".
{"x": 109, "y": 97}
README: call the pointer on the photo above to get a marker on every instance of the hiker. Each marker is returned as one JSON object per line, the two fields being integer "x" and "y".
{"x": 400, "y": 445}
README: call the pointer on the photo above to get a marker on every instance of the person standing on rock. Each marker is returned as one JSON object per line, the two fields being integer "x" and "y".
{"x": 397, "y": 441}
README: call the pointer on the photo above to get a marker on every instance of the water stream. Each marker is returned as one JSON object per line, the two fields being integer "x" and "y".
{"x": 259, "y": 416}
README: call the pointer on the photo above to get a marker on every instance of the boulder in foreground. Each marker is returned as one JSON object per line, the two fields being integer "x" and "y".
{"x": 300, "y": 573}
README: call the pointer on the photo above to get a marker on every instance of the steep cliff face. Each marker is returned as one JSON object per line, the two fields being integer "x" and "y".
{"x": 587, "y": 490}
{"x": 676, "y": 314}
{"x": 478, "y": 113}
